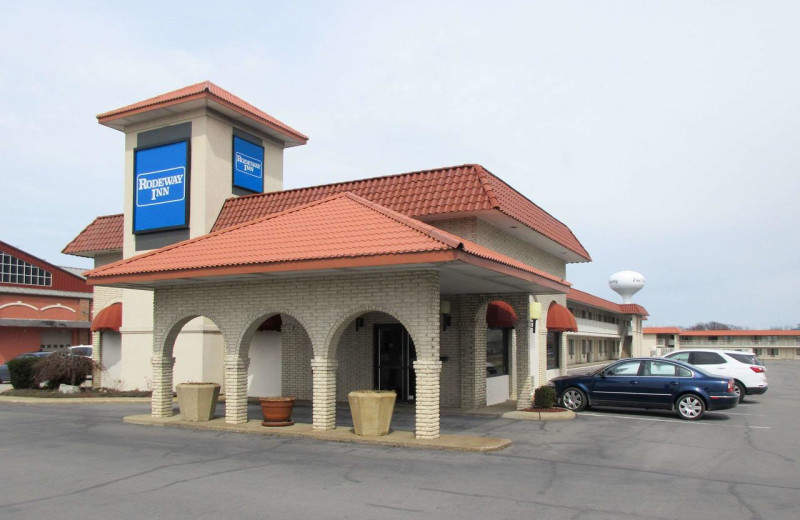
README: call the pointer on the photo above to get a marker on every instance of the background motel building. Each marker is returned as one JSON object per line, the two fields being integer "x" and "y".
{"x": 766, "y": 344}
{"x": 42, "y": 306}
{"x": 446, "y": 285}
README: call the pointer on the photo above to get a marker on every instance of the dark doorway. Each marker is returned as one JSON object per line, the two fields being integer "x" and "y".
{"x": 394, "y": 357}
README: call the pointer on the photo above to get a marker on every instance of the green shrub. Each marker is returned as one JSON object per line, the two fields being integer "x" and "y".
{"x": 63, "y": 368}
{"x": 21, "y": 372}
{"x": 544, "y": 397}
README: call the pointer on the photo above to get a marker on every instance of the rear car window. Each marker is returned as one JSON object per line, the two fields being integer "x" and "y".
{"x": 682, "y": 356}
{"x": 748, "y": 359}
{"x": 707, "y": 358}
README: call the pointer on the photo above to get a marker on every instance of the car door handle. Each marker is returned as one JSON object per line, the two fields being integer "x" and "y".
{"x": 634, "y": 382}
{"x": 673, "y": 383}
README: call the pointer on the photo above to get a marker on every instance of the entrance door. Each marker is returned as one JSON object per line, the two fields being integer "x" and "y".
{"x": 394, "y": 355}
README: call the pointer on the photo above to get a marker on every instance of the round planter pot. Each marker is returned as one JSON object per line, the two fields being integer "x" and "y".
{"x": 372, "y": 411}
{"x": 277, "y": 411}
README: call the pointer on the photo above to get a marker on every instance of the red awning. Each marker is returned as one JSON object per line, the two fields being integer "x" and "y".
{"x": 500, "y": 315}
{"x": 559, "y": 319}
{"x": 109, "y": 318}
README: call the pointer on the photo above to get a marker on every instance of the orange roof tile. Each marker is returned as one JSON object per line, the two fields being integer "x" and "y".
{"x": 343, "y": 228}
{"x": 103, "y": 234}
{"x": 632, "y": 308}
{"x": 740, "y": 333}
{"x": 466, "y": 188}
{"x": 205, "y": 89}
{"x": 661, "y": 330}
{"x": 595, "y": 301}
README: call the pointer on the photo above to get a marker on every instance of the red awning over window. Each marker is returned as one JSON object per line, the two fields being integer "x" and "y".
{"x": 559, "y": 319}
{"x": 109, "y": 318}
{"x": 500, "y": 315}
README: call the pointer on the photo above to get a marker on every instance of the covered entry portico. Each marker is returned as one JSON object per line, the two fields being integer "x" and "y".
{"x": 323, "y": 265}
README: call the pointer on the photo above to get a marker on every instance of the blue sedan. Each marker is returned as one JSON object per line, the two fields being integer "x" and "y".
{"x": 648, "y": 383}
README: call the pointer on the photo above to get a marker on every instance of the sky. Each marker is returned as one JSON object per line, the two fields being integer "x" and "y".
{"x": 663, "y": 133}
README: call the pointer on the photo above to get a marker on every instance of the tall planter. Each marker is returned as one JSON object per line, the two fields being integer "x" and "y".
{"x": 371, "y": 411}
{"x": 277, "y": 411}
{"x": 197, "y": 401}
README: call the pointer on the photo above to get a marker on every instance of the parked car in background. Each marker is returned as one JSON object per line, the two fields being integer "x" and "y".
{"x": 81, "y": 350}
{"x": 748, "y": 373}
{"x": 648, "y": 383}
{"x": 5, "y": 375}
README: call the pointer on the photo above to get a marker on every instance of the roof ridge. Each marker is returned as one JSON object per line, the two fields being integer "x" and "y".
{"x": 483, "y": 176}
{"x": 433, "y": 232}
{"x": 353, "y": 181}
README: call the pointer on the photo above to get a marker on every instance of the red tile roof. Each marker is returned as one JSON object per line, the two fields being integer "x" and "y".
{"x": 206, "y": 89}
{"x": 466, "y": 188}
{"x": 343, "y": 230}
{"x": 661, "y": 330}
{"x": 595, "y": 301}
{"x": 103, "y": 234}
{"x": 740, "y": 333}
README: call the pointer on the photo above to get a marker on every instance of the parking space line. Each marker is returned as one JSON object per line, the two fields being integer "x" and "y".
{"x": 674, "y": 421}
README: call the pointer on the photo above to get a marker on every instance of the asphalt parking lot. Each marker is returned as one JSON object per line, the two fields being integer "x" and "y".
{"x": 81, "y": 461}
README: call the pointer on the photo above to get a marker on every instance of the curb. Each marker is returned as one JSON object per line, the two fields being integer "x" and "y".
{"x": 566, "y": 415}
{"x": 395, "y": 438}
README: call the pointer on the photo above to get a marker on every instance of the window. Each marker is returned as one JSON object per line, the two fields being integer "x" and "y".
{"x": 571, "y": 347}
{"x": 707, "y": 358}
{"x": 772, "y": 352}
{"x": 14, "y": 270}
{"x": 497, "y": 343}
{"x": 664, "y": 369}
{"x": 757, "y": 351}
{"x": 626, "y": 368}
{"x": 553, "y": 350}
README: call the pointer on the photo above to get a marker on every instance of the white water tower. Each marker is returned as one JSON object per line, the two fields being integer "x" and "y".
{"x": 626, "y": 284}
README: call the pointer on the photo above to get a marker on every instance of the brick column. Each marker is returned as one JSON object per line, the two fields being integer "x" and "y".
{"x": 428, "y": 372}
{"x": 524, "y": 376}
{"x": 161, "y": 402}
{"x": 97, "y": 356}
{"x": 236, "y": 389}
{"x": 324, "y": 393}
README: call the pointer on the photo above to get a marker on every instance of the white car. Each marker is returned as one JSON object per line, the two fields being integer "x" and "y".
{"x": 748, "y": 373}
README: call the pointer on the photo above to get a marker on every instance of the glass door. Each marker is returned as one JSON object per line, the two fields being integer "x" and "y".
{"x": 394, "y": 357}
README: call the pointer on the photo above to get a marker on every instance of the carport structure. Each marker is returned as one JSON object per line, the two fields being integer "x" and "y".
{"x": 321, "y": 265}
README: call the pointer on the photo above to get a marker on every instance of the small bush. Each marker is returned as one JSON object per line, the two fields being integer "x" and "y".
{"x": 63, "y": 368}
{"x": 21, "y": 372}
{"x": 544, "y": 397}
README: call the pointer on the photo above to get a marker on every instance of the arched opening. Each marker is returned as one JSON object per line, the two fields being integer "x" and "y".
{"x": 375, "y": 351}
{"x": 198, "y": 347}
{"x": 280, "y": 355}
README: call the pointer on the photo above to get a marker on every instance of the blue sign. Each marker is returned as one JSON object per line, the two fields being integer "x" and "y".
{"x": 248, "y": 165}
{"x": 161, "y": 187}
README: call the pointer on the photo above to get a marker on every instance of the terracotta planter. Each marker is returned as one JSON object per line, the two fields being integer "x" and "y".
{"x": 372, "y": 411}
{"x": 197, "y": 401}
{"x": 277, "y": 411}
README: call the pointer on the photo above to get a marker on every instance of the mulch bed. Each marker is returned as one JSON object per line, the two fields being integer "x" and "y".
{"x": 85, "y": 393}
{"x": 554, "y": 409}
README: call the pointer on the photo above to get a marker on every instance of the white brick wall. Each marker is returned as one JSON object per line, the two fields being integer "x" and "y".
{"x": 324, "y": 307}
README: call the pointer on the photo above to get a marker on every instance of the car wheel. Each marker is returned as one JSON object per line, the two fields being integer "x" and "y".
{"x": 738, "y": 389}
{"x": 573, "y": 399}
{"x": 690, "y": 407}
